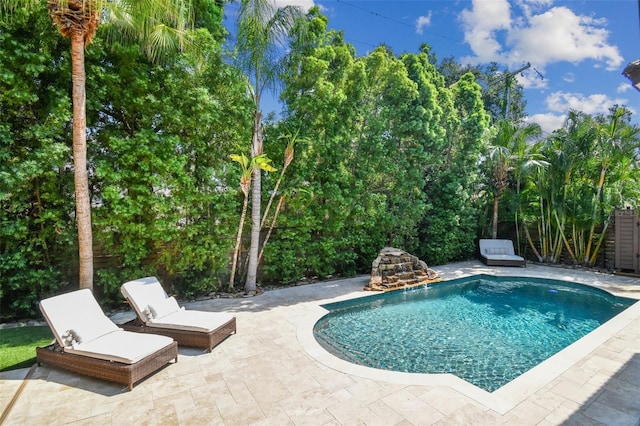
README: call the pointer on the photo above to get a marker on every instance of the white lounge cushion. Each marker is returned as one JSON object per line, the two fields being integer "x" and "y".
{"x": 122, "y": 346}
{"x": 499, "y": 247}
{"x": 504, "y": 257}
{"x": 192, "y": 320}
{"x": 142, "y": 294}
{"x": 76, "y": 318}
{"x": 153, "y": 306}
{"x": 499, "y": 250}
{"x": 496, "y": 250}
{"x": 162, "y": 308}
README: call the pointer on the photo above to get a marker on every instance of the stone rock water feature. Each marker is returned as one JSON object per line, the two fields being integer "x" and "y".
{"x": 395, "y": 268}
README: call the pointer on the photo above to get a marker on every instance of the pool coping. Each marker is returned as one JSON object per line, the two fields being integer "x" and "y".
{"x": 501, "y": 400}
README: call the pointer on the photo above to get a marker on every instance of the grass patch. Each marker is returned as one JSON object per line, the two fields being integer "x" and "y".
{"x": 18, "y": 346}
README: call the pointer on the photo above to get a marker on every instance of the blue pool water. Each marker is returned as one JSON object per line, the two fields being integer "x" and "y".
{"x": 486, "y": 330}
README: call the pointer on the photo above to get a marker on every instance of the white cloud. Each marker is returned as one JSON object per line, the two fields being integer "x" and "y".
{"x": 623, "y": 87}
{"x": 593, "y": 104}
{"x": 569, "y": 77}
{"x": 481, "y": 25}
{"x": 548, "y": 122}
{"x": 487, "y": 15}
{"x": 559, "y": 104}
{"x": 423, "y": 21}
{"x": 541, "y": 35}
{"x": 560, "y": 35}
{"x": 530, "y": 6}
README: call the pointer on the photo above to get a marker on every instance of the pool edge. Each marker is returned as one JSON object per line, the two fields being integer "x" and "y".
{"x": 503, "y": 399}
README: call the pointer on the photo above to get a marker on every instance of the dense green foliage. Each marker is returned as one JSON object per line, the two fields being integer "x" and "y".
{"x": 158, "y": 141}
{"x": 383, "y": 133}
{"x": 592, "y": 169}
{"x": 160, "y": 155}
{"x": 499, "y": 90}
{"x": 37, "y": 228}
{"x": 390, "y": 150}
{"x": 261, "y": 28}
{"x": 559, "y": 193}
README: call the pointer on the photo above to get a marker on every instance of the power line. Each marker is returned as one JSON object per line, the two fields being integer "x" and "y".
{"x": 379, "y": 15}
{"x": 382, "y": 16}
{"x": 375, "y": 13}
{"x": 352, "y": 40}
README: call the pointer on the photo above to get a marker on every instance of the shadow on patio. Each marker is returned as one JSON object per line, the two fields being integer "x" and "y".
{"x": 616, "y": 402}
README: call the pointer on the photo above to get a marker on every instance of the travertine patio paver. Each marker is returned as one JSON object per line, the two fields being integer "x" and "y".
{"x": 271, "y": 373}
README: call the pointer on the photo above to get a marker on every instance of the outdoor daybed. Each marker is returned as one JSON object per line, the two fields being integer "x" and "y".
{"x": 87, "y": 342}
{"x": 499, "y": 253}
{"x": 160, "y": 314}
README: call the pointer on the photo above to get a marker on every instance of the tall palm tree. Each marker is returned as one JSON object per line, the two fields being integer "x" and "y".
{"x": 158, "y": 24}
{"x": 263, "y": 163}
{"x": 261, "y": 34}
{"x": 616, "y": 147}
{"x": 499, "y": 157}
{"x": 504, "y": 154}
{"x": 568, "y": 151}
{"x": 527, "y": 158}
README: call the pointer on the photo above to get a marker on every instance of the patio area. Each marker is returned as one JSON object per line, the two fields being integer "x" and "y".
{"x": 272, "y": 372}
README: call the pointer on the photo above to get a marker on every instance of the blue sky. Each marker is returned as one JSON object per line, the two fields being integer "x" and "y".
{"x": 579, "y": 46}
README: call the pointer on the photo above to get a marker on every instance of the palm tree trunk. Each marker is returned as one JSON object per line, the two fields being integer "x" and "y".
{"x": 273, "y": 195}
{"x": 256, "y": 149}
{"x": 273, "y": 224}
{"x": 494, "y": 229}
{"x": 594, "y": 215}
{"x": 531, "y": 244}
{"x": 81, "y": 176}
{"x": 236, "y": 250}
{"x": 594, "y": 255}
{"x": 563, "y": 237}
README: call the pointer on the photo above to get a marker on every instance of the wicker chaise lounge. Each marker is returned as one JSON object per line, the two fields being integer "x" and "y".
{"x": 499, "y": 253}
{"x": 160, "y": 314}
{"x": 87, "y": 342}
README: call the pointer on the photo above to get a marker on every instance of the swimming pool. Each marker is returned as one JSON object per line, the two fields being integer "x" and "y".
{"x": 486, "y": 330}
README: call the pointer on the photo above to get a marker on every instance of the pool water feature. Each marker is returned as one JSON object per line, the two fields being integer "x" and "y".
{"x": 486, "y": 330}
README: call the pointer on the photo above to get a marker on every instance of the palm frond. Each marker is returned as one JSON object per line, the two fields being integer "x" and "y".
{"x": 160, "y": 26}
{"x": 262, "y": 33}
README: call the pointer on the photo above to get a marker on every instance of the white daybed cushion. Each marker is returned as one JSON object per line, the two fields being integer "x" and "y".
{"x": 144, "y": 293}
{"x": 499, "y": 250}
{"x": 122, "y": 346}
{"x": 76, "y": 318}
{"x": 192, "y": 320}
{"x": 504, "y": 257}
{"x": 496, "y": 250}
